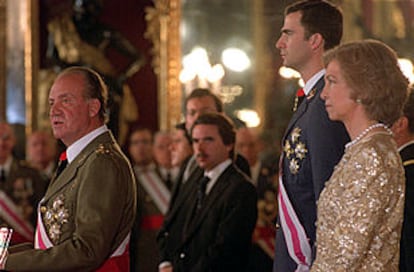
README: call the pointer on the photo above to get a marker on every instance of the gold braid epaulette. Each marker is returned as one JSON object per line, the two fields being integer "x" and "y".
{"x": 102, "y": 149}
{"x": 409, "y": 162}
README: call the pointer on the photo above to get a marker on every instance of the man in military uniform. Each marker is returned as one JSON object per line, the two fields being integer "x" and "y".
{"x": 21, "y": 188}
{"x": 153, "y": 200}
{"x": 41, "y": 152}
{"x": 312, "y": 144}
{"x": 403, "y": 130}
{"x": 86, "y": 215}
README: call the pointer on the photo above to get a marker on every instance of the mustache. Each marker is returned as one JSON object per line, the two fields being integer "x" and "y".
{"x": 201, "y": 155}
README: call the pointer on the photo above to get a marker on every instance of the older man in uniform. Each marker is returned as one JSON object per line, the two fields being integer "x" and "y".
{"x": 87, "y": 213}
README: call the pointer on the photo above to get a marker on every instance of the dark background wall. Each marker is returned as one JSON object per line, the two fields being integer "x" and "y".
{"x": 127, "y": 17}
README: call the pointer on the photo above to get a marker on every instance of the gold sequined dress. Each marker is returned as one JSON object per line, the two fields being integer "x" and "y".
{"x": 360, "y": 211}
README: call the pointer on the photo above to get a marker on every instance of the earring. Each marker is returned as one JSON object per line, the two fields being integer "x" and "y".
{"x": 359, "y": 101}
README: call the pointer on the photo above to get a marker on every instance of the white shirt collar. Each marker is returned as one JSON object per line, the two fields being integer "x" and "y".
{"x": 255, "y": 171}
{"x": 74, "y": 149}
{"x": 312, "y": 81}
{"x": 7, "y": 165}
{"x": 215, "y": 173}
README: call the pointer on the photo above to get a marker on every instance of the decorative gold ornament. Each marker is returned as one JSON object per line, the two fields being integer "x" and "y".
{"x": 55, "y": 217}
{"x": 295, "y": 134}
{"x": 301, "y": 151}
{"x": 295, "y": 150}
{"x": 163, "y": 30}
{"x": 311, "y": 94}
{"x": 294, "y": 166}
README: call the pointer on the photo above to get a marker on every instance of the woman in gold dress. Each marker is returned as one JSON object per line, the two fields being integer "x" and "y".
{"x": 360, "y": 210}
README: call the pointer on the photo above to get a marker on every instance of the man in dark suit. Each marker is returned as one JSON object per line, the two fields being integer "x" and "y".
{"x": 264, "y": 178}
{"x": 199, "y": 101}
{"x": 403, "y": 130}
{"x": 86, "y": 215}
{"x": 249, "y": 145}
{"x": 312, "y": 144}
{"x": 210, "y": 228}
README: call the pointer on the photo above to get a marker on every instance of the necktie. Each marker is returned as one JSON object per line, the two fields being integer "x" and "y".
{"x": 63, "y": 161}
{"x": 300, "y": 95}
{"x": 2, "y": 176}
{"x": 168, "y": 181}
{"x": 201, "y": 191}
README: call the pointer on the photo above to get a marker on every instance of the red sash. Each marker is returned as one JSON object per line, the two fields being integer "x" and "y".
{"x": 152, "y": 222}
{"x": 295, "y": 236}
{"x": 117, "y": 262}
{"x": 9, "y": 212}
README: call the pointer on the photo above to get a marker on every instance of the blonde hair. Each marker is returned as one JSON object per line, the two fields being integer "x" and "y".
{"x": 371, "y": 69}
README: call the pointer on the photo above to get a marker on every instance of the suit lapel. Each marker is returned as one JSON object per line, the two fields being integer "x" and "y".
{"x": 212, "y": 198}
{"x": 70, "y": 173}
{"x": 303, "y": 107}
{"x": 187, "y": 191}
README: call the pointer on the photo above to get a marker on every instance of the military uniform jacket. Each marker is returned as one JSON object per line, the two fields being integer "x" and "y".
{"x": 143, "y": 249}
{"x": 312, "y": 146}
{"x": 25, "y": 187}
{"x": 407, "y": 235}
{"x": 87, "y": 211}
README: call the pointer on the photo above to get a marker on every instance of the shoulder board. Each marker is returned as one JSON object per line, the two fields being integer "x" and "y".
{"x": 102, "y": 149}
{"x": 409, "y": 162}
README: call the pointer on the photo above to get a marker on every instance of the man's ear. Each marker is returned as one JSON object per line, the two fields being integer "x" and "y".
{"x": 400, "y": 125}
{"x": 94, "y": 107}
{"x": 316, "y": 40}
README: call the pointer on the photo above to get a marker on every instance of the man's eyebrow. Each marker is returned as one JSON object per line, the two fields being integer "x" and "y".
{"x": 286, "y": 31}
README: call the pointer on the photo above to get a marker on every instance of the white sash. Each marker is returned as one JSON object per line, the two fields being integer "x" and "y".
{"x": 42, "y": 240}
{"x": 11, "y": 214}
{"x": 295, "y": 236}
{"x": 156, "y": 188}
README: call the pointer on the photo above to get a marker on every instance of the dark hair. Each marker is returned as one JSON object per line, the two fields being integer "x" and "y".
{"x": 200, "y": 92}
{"x": 224, "y": 124}
{"x": 408, "y": 110}
{"x": 95, "y": 87}
{"x": 319, "y": 16}
{"x": 138, "y": 129}
{"x": 181, "y": 126}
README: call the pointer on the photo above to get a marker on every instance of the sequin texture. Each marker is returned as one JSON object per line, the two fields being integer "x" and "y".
{"x": 360, "y": 210}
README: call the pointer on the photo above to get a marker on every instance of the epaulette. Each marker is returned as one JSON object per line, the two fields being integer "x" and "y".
{"x": 103, "y": 149}
{"x": 408, "y": 162}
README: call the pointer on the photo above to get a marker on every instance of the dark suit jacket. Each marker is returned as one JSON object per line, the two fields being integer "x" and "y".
{"x": 407, "y": 235}
{"x": 266, "y": 179}
{"x": 240, "y": 162}
{"x": 96, "y": 192}
{"x": 219, "y": 237}
{"x": 322, "y": 144}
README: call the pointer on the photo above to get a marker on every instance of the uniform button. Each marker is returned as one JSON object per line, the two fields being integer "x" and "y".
{"x": 182, "y": 255}
{"x": 166, "y": 234}
{"x": 43, "y": 209}
{"x": 277, "y": 226}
